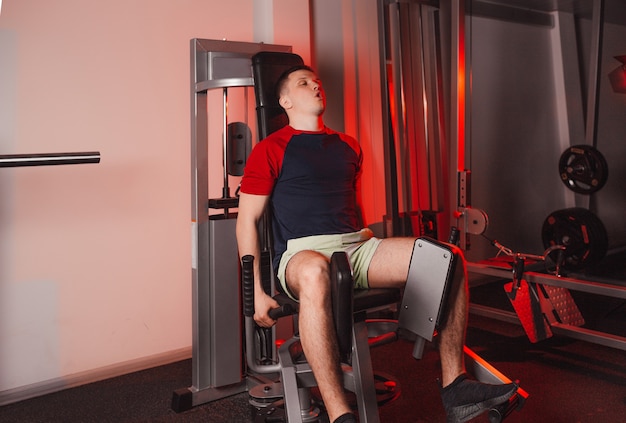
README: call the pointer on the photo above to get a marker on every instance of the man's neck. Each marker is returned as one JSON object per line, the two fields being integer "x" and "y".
{"x": 307, "y": 123}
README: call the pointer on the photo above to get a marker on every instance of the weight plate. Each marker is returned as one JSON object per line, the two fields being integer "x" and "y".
{"x": 580, "y": 231}
{"x": 583, "y": 169}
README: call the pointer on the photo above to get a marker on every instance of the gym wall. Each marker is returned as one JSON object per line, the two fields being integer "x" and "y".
{"x": 95, "y": 260}
{"x": 528, "y": 105}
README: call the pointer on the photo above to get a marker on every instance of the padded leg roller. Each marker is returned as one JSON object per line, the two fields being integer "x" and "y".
{"x": 431, "y": 273}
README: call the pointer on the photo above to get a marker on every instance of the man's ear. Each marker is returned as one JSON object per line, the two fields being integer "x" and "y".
{"x": 284, "y": 102}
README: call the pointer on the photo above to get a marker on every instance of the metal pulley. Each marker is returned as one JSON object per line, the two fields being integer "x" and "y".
{"x": 582, "y": 234}
{"x": 476, "y": 220}
{"x": 583, "y": 169}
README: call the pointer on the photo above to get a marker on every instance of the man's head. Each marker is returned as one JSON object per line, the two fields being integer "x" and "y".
{"x": 299, "y": 90}
{"x": 282, "y": 79}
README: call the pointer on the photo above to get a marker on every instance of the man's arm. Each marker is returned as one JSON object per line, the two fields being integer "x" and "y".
{"x": 251, "y": 208}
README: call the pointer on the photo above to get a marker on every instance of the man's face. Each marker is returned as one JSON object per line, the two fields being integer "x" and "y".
{"x": 303, "y": 93}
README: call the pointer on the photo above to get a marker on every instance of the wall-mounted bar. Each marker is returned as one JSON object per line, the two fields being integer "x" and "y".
{"x": 48, "y": 159}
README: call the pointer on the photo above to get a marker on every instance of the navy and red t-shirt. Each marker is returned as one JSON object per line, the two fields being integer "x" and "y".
{"x": 311, "y": 180}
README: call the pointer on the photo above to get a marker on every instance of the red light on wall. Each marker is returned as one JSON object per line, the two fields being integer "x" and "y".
{"x": 618, "y": 76}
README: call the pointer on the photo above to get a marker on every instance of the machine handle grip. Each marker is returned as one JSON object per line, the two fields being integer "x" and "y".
{"x": 286, "y": 307}
{"x": 247, "y": 281}
{"x": 282, "y": 311}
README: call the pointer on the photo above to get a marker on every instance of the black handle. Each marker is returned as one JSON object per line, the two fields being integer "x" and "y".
{"x": 247, "y": 281}
{"x": 282, "y": 311}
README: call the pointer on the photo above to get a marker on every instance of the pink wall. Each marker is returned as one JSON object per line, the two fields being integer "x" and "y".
{"x": 95, "y": 259}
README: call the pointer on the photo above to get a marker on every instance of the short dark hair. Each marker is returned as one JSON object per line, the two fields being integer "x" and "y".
{"x": 282, "y": 79}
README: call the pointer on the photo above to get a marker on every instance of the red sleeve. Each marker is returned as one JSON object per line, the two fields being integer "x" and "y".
{"x": 264, "y": 164}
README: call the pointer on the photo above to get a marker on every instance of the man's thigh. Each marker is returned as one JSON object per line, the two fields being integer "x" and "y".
{"x": 390, "y": 264}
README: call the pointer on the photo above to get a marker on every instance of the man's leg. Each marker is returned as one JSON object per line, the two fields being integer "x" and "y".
{"x": 452, "y": 334}
{"x": 308, "y": 278}
{"x": 389, "y": 268}
{"x": 462, "y": 398}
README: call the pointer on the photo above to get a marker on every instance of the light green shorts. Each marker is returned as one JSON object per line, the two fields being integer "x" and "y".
{"x": 359, "y": 246}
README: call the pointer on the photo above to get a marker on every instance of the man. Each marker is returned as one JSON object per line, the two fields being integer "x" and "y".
{"x": 307, "y": 174}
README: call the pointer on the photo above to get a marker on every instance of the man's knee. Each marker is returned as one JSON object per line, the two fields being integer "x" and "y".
{"x": 308, "y": 272}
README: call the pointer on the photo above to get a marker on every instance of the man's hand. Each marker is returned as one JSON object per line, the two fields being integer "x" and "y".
{"x": 262, "y": 305}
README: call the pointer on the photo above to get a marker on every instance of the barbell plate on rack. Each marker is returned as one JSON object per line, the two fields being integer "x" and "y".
{"x": 583, "y": 169}
{"x": 582, "y": 234}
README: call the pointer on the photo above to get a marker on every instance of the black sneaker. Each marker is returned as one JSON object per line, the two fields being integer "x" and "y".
{"x": 346, "y": 418}
{"x": 465, "y": 399}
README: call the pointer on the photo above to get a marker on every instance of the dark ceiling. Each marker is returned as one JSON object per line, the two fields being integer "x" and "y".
{"x": 614, "y": 10}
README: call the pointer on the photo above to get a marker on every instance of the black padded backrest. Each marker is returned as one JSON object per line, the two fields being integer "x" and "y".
{"x": 267, "y": 66}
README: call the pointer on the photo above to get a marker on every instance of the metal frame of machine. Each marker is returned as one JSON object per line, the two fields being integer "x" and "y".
{"x": 217, "y": 345}
{"x": 216, "y": 338}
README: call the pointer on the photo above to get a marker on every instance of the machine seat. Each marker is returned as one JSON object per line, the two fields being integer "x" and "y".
{"x": 363, "y": 300}
{"x": 367, "y": 299}
{"x": 349, "y": 306}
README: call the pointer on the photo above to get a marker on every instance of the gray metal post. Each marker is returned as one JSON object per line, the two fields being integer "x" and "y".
{"x": 458, "y": 141}
{"x": 216, "y": 316}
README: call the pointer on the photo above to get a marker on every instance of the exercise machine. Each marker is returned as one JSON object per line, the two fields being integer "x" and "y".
{"x": 217, "y": 367}
{"x": 216, "y": 371}
{"x": 422, "y": 313}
